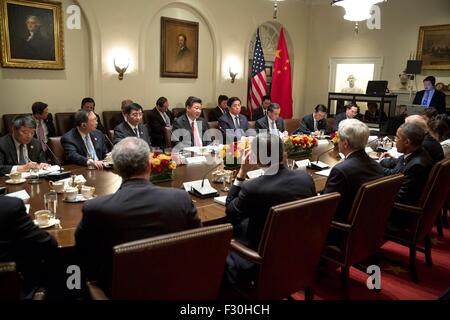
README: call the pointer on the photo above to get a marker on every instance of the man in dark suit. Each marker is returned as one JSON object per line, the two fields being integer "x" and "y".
{"x": 89, "y": 104}
{"x": 248, "y": 203}
{"x": 190, "y": 128}
{"x": 351, "y": 111}
{"x": 347, "y": 176}
{"x": 262, "y": 110}
{"x": 121, "y": 117}
{"x": 233, "y": 125}
{"x": 272, "y": 122}
{"x": 430, "y": 97}
{"x": 44, "y": 125}
{"x": 22, "y": 242}
{"x": 431, "y": 145}
{"x": 84, "y": 145}
{"x": 133, "y": 127}
{"x": 19, "y": 150}
{"x": 136, "y": 211}
{"x": 415, "y": 164}
{"x": 159, "y": 119}
{"x": 220, "y": 110}
{"x": 313, "y": 122}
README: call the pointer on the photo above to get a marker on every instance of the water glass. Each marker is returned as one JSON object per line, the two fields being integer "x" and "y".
{"x": 51, "y": 203}
{"x": 227, "y": 180}
{"x": 34, "y": 175}
{"x": 291, "y": 164}
{"x": 90, "y": 163}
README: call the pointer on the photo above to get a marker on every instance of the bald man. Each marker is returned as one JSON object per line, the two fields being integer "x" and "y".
{"x": 430, "y": 145}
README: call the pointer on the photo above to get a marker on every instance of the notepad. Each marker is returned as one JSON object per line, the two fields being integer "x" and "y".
{"x": 196, "y": 160}
{"x": 302, "y": 164}
{"x": 42, "y": 172}
{"x": 22, "y": 194}
{"x": 220, "y": 200}
{"x": 255, "y": 173}
{"x": 197, "y": 185}
{"x": 324, "y": 173}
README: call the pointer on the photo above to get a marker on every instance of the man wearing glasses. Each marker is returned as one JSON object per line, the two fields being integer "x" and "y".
{"x": 133, "y": 127}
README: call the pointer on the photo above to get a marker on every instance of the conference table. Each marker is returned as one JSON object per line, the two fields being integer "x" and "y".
{"x": 107, "y": 182}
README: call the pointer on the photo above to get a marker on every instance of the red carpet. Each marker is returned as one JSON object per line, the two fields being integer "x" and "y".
{"x": 395, "y": 277}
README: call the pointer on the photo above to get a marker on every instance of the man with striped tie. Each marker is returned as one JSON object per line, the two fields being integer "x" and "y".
{"x": 133, "y": 126}
{"x": 233, "y": 125}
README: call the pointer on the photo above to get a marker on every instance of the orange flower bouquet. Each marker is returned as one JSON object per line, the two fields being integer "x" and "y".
{"x": 163, "y": 167}
{"x": 232, "y": 153}
{"x": 335, "y": 138}
{"x": 301, "y": 145}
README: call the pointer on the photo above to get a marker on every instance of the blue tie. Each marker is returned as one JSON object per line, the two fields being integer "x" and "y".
{"x": 425, "y": 98}
{"x": 90, "y": 147}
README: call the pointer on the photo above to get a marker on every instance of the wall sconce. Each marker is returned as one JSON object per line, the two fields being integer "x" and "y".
{"x": 232, "y": 75}
{"x": 121, "y": 68}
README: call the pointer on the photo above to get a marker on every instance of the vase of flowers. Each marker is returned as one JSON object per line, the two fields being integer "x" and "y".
{"x": 301, "y": 145}
{"x": 335, "y": 138}
{"x": 231, "y": 154}
{"x": 163, "y": 167}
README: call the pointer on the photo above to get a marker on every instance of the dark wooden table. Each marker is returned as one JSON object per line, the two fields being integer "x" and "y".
{"x": 107, "y": 182}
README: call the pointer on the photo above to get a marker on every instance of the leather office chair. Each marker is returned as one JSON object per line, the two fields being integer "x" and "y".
{"x": 252, "y": 124}
{"x": 290, "y": 247}
{"x": 292, "y": 124}
{"x": 56, "y": 146}
{"x": 178, "y": 112}
{"x": 108, "y": 117}
{"x": 64, "y": 122}
{"x": 167, "y": 137}
{"x": 213, "y": 125}
{"x": 362, "y": 236}
{"x": 330, "y": 123}
{"x": 185, "y": 265}
{"x": 146, "y": 116}
{"x": 10, "y": 283}
{"x": 423, "y": 215}
{"x": 8, "y": 119}
{"x": 206, "y": 112}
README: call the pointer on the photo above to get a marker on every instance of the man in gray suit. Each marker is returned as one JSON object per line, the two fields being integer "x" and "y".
{"x": 136, "y": 211}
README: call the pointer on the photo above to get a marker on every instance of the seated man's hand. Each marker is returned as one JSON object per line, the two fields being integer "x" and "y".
{"x": 28, "y": 166}
{"x": 44, "y": 166}
{"x": 385, "y": 155}
{"x": 98, "y": 164}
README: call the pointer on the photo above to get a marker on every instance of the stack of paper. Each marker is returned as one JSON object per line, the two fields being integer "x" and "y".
{"x": 22, "y": 194}
{"x": 220, "y": 200}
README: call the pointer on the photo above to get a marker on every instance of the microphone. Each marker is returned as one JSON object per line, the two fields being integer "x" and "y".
{"x": 55, "y": 176}
{"x": 197, "y": 188}
{"x": 319, "y": 165}
{"x": 109, "y": 140}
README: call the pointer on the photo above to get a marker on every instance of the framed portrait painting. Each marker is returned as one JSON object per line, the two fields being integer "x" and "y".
{"x": 433, "y": 47}
{"x": 179, "y": 48}
{"x": 32, "y": 34}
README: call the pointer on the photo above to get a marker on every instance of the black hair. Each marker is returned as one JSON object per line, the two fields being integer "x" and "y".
{"x": 160, "y": 102}
{"x": 232, "y": 100}
{"x": 86, "y": 100}
{"x": 321, "y": 108}
{"x": 38, "y": 107}
{"x": 431, "y": 79}
{"x": 191, "y": 100}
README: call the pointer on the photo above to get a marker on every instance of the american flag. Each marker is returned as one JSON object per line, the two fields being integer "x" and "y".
{"x": 258, "y": 88}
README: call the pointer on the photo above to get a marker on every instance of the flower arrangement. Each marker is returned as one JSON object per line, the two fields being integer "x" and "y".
{"x": 335, "y": 138}
{"x": 300, "y": 145}
{"x": 162, "y": 167}
{"x": 232, "y": 153}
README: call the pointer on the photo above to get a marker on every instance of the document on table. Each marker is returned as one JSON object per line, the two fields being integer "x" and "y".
{"x": 324, "y": 173}
{"x": 220, "y": 200}
{"x": 22, "y": 194}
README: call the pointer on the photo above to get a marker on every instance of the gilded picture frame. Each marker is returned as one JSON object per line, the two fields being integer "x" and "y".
{"x": 179, "y": 48}
{"x": 32, "y": 34}
{"x": 433, "y": 47}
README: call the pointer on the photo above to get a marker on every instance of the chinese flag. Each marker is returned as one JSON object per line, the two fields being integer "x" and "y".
{"x": 281, "y": 90}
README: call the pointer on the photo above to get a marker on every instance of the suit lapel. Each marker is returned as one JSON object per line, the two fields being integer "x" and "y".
{"x": 160, "y": 118}
{"x": 12, "y": 149}
{"x": 80, "y": 141}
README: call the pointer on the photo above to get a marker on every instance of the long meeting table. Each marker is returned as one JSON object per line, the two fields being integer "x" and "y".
{"x": 107, "y": 182}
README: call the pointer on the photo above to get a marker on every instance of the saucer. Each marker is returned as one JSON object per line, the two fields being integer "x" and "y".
{"x": 11, "y": 181}
{"x": 50, "y": 223}
{"x": 80, "y": 198}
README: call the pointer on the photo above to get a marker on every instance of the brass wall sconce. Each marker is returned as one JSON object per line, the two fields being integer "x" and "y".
{"x": 232, "y": 75}
{"x": 121, "y": 69}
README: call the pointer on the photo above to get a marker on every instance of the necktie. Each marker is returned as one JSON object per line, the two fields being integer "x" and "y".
{"x": 136, "y": 132}
{"x": 197, "y": 140}
{"x": 315, "y": 124}
{"x": 236, "y": 122}
{"x": 41, "y": 135}
{"x": 21, "y": 155}
{"x": 90, "y": 147}
{"x": 166, "y": 119}
{"x": 265, "y": 112}
{"x": 274, "y": 127}
{"x": 425, "y": 98}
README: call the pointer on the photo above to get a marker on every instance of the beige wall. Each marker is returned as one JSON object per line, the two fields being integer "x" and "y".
{"x": 331, "y": 36}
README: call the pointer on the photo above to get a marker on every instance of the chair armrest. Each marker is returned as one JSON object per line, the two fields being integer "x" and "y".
{"x": 408, "y": 208}
{"x": 96, "y": 292}
{"x": 341, "y": 226}
{"x": 245, "y": 252}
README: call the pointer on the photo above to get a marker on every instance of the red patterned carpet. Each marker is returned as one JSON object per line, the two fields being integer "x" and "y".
{"x": 395, "y": 280}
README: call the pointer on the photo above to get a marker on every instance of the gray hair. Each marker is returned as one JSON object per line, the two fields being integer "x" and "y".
{"x": 355, "y": 132}
{"x": 419, "y": 120}
{"x": 24, "y": 121}
{"x": 130, "y": 157}
{"x": 413, "y": 132}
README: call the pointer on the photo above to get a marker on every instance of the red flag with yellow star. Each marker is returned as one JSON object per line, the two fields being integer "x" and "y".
{"x": 281, "y": 89}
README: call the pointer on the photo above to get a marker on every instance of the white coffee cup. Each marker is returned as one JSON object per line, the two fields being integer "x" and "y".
{"x": 70, "y": 194}
{"x": 87, "y": 191}
{"x": 43, "y": 217}
{"x": 57, "y": 185}
{"x": 16, "y": 176}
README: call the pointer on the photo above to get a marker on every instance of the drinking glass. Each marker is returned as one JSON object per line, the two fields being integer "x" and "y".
{"x": 34, "y": 175}
{"x": 291, "y": 164}
{"x": 91, "y": 165}
{"x": 227, "y": 180}
{"x": 51, "y": 203}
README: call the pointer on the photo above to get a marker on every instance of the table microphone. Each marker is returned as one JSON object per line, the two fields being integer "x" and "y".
{"x": 316, "y": 164}
{"x": 109, "y": 140}
{"x": 55, "y": 176}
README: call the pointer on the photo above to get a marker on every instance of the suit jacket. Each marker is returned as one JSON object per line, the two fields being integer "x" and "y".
{"x": 156, "y": 125}
{"x": 138, "y": 210}
{"x": 258, "y": 114}
{"x": 347, "y": 176}
{"x": 307, "y": 125}
{"x": 8, "y": 153}
{"x": 116, "y": 120}
{"x": 182, "y": 122}
{"x": 337, "y": 119}
{"x": 263, "y": 123}
{"x": 215, "y": 114}
{"x": 100, "y": 126}
{"x": 248, "y": 206}
{"x": 433, "y": 148}
{"x": 437, "y": 101}
{"x": 124, "y": 130}
{"x": 415, "y": 168}
{"x": 75, "y": 150}
{"x": 228, "y": 129}
{"x": 50, "y": 127}
{"x": 23, "y": 242}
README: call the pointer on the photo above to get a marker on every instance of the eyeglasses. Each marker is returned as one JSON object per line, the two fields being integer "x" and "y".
{"x": 136, "y": 114}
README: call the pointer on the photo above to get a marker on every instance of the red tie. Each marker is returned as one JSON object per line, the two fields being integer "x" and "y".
{"x": 197, "y": 140}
